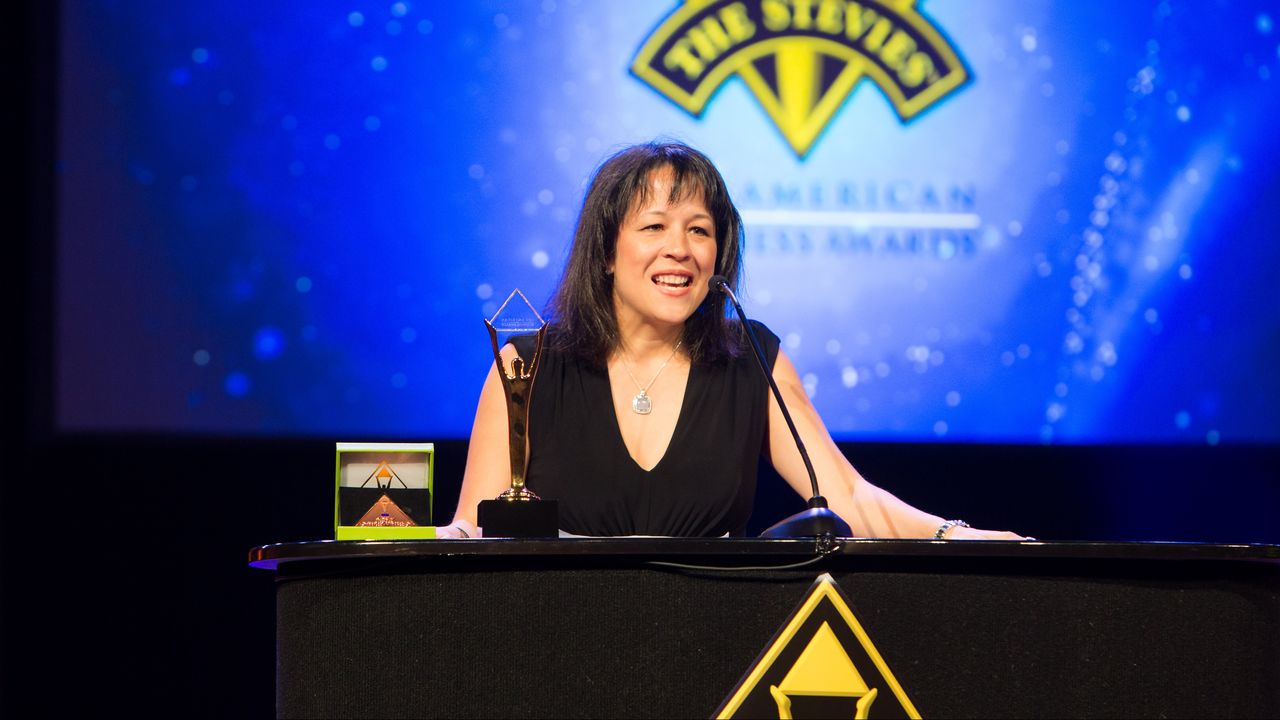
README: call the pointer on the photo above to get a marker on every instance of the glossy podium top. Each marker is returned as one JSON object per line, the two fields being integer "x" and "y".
{"x": 738, "y": 550}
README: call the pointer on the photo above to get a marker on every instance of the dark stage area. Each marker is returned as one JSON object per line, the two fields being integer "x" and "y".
{"x": 125, "y": 557}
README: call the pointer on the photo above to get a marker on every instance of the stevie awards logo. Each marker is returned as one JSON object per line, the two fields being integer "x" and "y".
{"x": 800, "y": 58}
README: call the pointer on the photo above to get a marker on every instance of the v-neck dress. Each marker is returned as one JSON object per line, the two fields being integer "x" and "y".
{"x": 702, "y": 487}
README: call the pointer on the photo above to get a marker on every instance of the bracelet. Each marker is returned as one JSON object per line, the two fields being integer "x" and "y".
{"x": 462, "y": 530}
{"x": 945, "y": 527}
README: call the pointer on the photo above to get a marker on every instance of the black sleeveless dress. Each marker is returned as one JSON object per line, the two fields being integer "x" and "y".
{"x": 702, "y": 487}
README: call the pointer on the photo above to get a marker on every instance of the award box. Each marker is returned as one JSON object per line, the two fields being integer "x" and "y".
{"x": 384, "y": 491}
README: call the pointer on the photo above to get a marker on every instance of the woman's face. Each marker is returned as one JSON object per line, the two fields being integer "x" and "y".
{"x": 665, "y": 255}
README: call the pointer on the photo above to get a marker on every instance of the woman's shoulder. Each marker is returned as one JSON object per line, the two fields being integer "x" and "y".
{"x": 762, "y": 331}
{"x": 744, "y": 352}
{"x": 769, "y": 341}
{"x": 526, "y": 344}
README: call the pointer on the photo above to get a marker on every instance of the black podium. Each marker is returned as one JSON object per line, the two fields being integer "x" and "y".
{"x": 667, "y": 627}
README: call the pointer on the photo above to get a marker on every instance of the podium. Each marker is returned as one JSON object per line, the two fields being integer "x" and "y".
{"x": 666, "y": 627}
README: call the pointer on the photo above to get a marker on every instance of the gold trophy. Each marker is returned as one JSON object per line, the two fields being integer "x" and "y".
{"x": 517, "y": 512}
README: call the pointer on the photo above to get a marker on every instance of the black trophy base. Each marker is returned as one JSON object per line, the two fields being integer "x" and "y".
{"x": 519, "y": 518}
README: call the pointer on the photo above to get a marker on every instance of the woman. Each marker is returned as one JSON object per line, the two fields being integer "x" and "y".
{"x": 649, "y": 414}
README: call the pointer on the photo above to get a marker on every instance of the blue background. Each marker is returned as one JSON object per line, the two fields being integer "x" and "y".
{"x": 291, "y": 218}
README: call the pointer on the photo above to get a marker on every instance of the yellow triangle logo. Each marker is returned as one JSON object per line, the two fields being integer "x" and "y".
{"x": 821, "y": 663}
{"x": 800, "y": 104}
{"x": 383, "y": 475}
{"x": 824, "y": 668}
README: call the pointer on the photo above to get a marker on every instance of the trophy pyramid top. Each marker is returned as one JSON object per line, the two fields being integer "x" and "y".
{"x": 516, "y": 317}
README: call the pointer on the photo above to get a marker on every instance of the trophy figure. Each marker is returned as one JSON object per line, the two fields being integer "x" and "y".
{"x": 517, "y": 512}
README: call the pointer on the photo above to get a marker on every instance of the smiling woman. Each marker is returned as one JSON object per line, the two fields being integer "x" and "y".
{"x": 665, "y": 254}
{"x": 629, "y": 207}
{"x": 647, "y": 416}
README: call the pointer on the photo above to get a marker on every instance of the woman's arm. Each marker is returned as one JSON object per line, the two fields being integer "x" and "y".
{"x": 869, "y": 510}
{"x": 488, "y": 471}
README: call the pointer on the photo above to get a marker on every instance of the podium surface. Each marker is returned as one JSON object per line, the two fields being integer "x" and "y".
{"x": 667, "y": 627}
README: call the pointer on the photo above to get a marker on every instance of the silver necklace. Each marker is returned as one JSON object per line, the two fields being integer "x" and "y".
{"x": 642, "y": 404}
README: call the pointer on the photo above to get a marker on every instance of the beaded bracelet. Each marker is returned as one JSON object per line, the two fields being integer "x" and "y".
{"x": 945, "y": 527}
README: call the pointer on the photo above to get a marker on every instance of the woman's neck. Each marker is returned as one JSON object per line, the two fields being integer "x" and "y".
{"x": 643, "y": 342}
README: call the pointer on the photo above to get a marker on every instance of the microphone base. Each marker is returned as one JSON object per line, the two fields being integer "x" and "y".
{"x": 812, "y": 523}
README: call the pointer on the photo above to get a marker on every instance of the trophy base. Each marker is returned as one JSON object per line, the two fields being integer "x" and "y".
{"x": 523, "y": 517}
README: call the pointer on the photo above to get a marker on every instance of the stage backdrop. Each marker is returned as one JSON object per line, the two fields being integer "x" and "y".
{"x": 997, "y": 221}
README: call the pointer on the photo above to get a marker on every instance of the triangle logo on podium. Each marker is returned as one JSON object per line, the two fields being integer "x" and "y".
{"x": 821, "y": 663}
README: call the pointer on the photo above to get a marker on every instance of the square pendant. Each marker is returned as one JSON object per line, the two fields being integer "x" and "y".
{"x": 641, "y": 404}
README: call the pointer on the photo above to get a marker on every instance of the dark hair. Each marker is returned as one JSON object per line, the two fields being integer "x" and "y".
{"x": 582, "y": 306}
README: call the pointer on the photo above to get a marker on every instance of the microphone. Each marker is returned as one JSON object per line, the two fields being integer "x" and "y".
{"x": 818, "y": 521}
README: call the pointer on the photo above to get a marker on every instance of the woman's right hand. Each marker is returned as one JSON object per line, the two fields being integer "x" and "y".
{"x": 457, "y": 530}
{"x": 959, "y": 532}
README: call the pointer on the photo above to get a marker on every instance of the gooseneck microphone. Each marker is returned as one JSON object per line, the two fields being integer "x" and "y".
{"x": 818, "y": 521}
